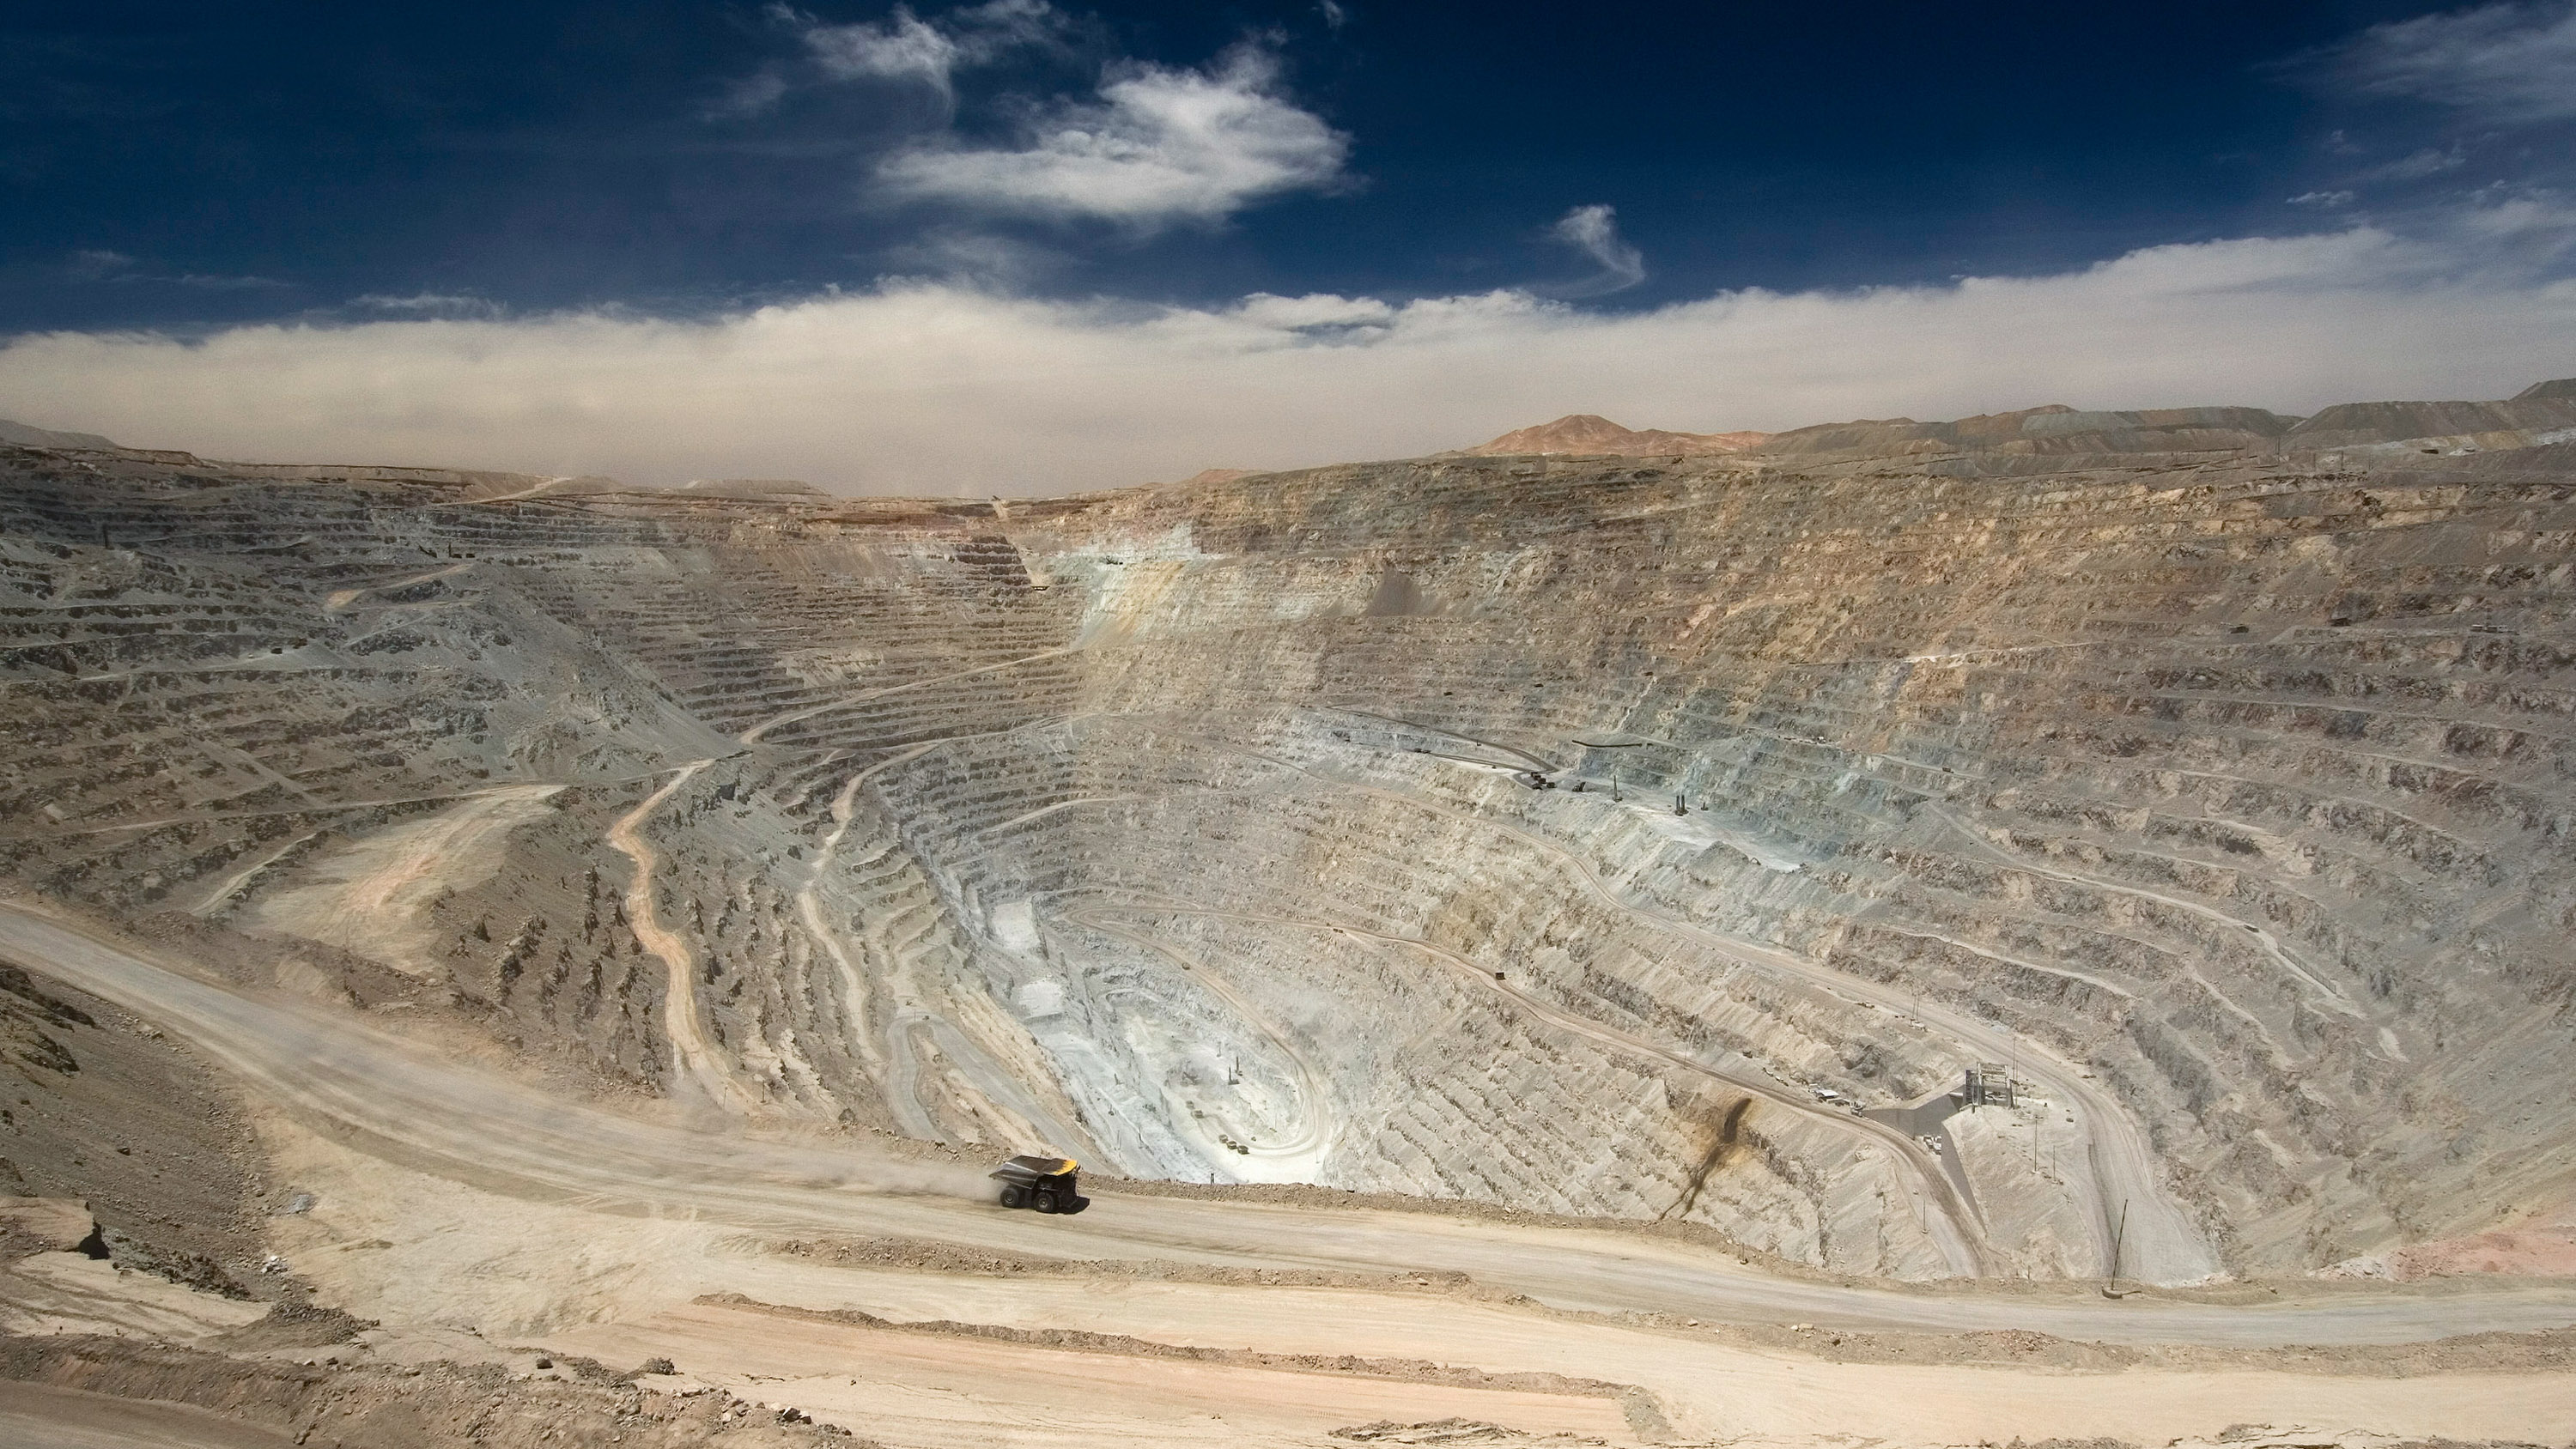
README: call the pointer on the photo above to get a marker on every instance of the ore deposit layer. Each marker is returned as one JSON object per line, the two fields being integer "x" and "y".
{"x": 2220, "y": 797}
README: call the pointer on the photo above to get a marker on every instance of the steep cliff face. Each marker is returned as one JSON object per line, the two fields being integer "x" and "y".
{"x": 1591, "y": 835}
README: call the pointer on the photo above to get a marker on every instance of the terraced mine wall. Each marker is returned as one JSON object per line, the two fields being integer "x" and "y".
{"x": 1586, "y": 836}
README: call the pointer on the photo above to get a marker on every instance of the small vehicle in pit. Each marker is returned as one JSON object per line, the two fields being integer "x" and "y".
{"x": 1043, "y": 1183}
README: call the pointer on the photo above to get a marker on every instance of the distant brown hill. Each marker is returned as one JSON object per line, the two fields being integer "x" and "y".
{"x": 2055, "y": 429}
{"x": 1587, "y": 434}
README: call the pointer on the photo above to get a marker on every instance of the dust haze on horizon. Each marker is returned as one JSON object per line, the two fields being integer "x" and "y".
{"x": 1069, "y": 250}
{"x": 936, "y": 390}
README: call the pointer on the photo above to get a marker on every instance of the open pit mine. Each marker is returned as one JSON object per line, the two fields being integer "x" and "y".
{"x": 2047, "y": 926}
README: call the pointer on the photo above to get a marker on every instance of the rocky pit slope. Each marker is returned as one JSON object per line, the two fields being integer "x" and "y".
{"x": 1657, "y": 839}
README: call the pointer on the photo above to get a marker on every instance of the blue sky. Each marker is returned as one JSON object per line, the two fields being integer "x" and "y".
{"x": 1116, "y": 241}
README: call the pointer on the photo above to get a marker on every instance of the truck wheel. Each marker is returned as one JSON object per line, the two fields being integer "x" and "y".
{"x": 1015, "y": 1196}
{"x": 1046, "y": 1200}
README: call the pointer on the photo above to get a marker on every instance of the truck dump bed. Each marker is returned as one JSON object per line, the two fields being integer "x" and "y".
{"x": 1026, "y": 1169}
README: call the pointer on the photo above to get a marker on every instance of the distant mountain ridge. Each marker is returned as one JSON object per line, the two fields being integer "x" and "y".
{"x": 2049, "y": 436}
{"x": 2052, "y": 429}
{"x": 1593, "y": 435}
{"x": 27, "y": 436}
{"x": 2541, "y": 414}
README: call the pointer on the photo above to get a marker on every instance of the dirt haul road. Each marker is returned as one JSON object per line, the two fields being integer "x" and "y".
{"x": 396, "y": 1103}
{"x": 686, "y": 1029}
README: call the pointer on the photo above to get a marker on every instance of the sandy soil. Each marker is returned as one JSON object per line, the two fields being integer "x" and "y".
{"x": 374, "y": 896}
{"x": 83, "y": 1391}
{"x": 36, "y": 1416}
{"x": 71, "y": 1292}
{"x": 1712, "y": 1389}
{"x": 943, "y": 1390}
{"x": 2543, "y": 1243}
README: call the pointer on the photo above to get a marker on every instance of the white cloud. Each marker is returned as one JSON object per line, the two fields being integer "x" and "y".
{"x": 2511, "y": 64}
{"x": 1594, "y": 231}
{"x": 1318, "y": 317}
{"x": 1162, "y": 146}
{"x": 216, "y": 283}
{"x": 1153, "y": 146}
{"x": 2534, "y": 231}
{"x": 2420, "y": 164}
{"x": 943, "y": 390}
{"x": 751, "y": 95}
{"x": 902, "y": 47}
{"x": 107, "y": 266}
{"x": 2328, "y": 199}
{"x": 975, "y": 258}
{"x": 429, "y": 304}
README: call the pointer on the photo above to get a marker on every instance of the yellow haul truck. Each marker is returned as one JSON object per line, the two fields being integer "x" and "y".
{"x": 1044, "y": 1183}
